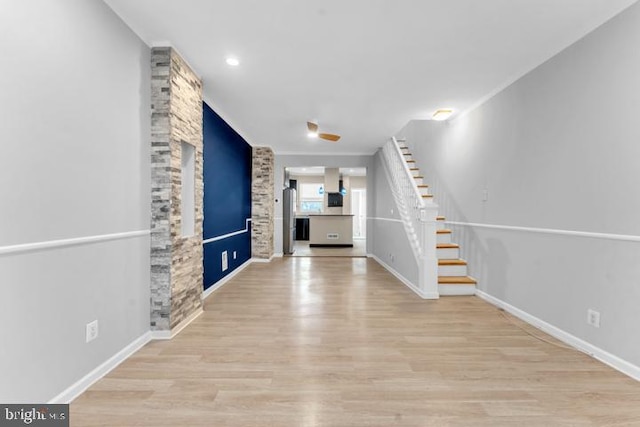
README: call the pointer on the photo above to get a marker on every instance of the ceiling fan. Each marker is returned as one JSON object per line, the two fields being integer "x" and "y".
{"x": 313, "y": 132}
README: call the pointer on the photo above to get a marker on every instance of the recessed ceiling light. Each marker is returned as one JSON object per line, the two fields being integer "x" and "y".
{"x": 233, "y": 62}
{"x": 442, "y": 114}
{"x": 312, "y": 134}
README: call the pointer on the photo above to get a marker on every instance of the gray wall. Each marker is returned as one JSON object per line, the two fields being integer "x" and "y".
{"x": 75, "y": 134}
{"x": 300, "y": 160}
{"x": 556, "y": 150}
{"x": 388, "y": 238}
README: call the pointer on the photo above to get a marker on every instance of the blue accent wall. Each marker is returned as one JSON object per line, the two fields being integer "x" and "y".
{"x": 227, "y": 196}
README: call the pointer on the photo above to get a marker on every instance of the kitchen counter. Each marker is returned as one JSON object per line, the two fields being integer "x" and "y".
{"x": 329, "y": 214}
{"x": 331, "y": 230}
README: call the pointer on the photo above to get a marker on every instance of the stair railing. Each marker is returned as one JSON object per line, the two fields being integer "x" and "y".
{"x": 418, "y": 217}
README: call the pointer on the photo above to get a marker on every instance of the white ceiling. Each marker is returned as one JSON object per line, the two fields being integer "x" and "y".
{"x": 361, "y": 68}
{"x": 319, "y": 171}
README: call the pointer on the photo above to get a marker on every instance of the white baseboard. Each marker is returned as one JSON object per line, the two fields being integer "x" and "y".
{"x": 80, "y": 386}
{"x": 277, "y": 255}
{"x": 75, "y": 390}
{"x": 167, "y": 335}
{"x": 403, "y": 279}
{"x": 603, "y": 356}
{"x": 211, "y": 289}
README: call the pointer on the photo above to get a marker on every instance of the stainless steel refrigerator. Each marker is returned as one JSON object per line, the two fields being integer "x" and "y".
{"x": 288, "y": 220}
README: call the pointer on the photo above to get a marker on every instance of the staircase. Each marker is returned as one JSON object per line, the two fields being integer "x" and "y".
{"x": 452, "y": 275}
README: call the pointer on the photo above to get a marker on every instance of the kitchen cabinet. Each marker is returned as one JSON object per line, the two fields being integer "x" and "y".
{"x": 302, "y": 228}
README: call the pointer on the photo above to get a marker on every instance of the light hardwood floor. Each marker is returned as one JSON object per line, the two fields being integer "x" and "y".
{"x": 340, "y": 342}
{"x": 302, "y": 248}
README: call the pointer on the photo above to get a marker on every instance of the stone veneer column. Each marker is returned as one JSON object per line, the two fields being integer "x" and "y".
{"x": 176, "y": 261}
{"x": 262, "y": 203}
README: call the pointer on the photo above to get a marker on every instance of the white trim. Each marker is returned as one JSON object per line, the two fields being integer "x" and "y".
{"x": 79, "y": 387}
{"x": 225, "y": 279}
{"x": 28, "y": 247}
{"x": 385, "y": 219}
{"x": 226, "y": 236}
{"x": 522, "y": 72}
{"x": 403, "y": 279}
{"x": 608, "y": 236}
{"x": 167, "y": 335}
{"x": 603, "y": 356}
{"x": 306, "y": 153}
{"x": 275, "y": 255}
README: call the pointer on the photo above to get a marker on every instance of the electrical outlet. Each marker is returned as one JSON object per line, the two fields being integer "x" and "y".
{"x": 225, "y": 261}
{"x": 593, "y": 318}
{"x": 235, "y": 254}
{"x": 92, "y": 331}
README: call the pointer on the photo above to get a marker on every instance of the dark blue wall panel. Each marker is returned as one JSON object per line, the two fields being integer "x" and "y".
{"x": 227, "y": 196}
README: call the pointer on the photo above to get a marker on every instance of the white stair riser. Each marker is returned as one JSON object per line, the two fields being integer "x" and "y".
{"x": 452, "y": 270}
{"x": 419, "y": 181}
{"x": 444, "y": 238}
{"x": 424, "y": 191}
{"x": 449, "y": 290}
{"x": 440, "y": 225}
{"x": 414, "y": 173}
{"x": 448, "y": 253}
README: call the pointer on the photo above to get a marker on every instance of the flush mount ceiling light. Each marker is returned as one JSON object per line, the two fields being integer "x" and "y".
{"x": 442, "y": 114}
{"x": 232, "y": 61}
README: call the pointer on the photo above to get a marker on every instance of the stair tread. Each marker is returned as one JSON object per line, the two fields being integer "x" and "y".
{"x": 427, "y": 196}
{"x": 418, "y": 176}
{"x": 440, "y": 218}
{"x": 452, "y": 262}
{"x": 457, "y": 280}
{"x": 443, "y": 231}
{"x": 422, "y": 185}
{"x": 406, "y": 154}
{"x": 414, "y": 169}
{"x": 410, "y": 161}
{"x": 447, "y": 245}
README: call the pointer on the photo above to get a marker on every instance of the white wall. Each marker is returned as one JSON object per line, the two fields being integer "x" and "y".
{"x": 358, "y": 182}
{"x": 385, "y": 230}
{"x": 75, "y": 127}
{"x": 300, "y": 160}
{"x": 557, "y": 150}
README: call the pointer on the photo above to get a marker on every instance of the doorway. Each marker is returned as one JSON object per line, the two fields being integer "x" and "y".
{"x": 323, "y": 228}
{"x": 359, "y": 210}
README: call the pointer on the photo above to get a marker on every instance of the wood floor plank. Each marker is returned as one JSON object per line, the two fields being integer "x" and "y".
{"x": 341, "y": 342}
